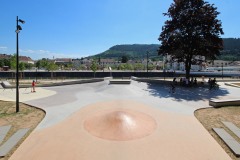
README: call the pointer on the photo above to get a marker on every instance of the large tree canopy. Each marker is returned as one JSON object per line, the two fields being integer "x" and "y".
{"x": 192, "y": 29}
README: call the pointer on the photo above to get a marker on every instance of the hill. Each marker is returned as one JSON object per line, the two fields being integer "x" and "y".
{"x": 132, "y": 51}
{"x": 231, "y": 50}
{"x": 138, "y": 51}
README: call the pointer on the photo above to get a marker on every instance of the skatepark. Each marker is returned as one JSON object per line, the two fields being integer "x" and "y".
{"x": 118, "y": 121}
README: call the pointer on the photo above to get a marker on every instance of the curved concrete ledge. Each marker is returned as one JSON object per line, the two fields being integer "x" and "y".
{"x": 58, "y": 83}
{"x": 220, "y": 103}
{"x": 149, "y": 80}
{"x": 72, "y": 82}
{"x": 232, "y": 85}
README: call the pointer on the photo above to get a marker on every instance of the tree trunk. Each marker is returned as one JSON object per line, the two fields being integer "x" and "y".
{"x": 188, "y": 67}
{"x": 188, "y": 63}
{"x": 187, "y": 72}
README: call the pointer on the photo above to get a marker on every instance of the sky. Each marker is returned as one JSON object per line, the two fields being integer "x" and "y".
{"x": 79, "y": 28}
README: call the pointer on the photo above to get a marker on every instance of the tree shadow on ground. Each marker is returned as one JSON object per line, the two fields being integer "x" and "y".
{"x": 196, "y": 93}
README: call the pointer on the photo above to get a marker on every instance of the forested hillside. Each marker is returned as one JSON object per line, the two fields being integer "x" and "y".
{"x": 132, "y": 51}
{"x": 231, "y": 43}
{"x": 231, "y": 50}
{"x": 138, "y": 51}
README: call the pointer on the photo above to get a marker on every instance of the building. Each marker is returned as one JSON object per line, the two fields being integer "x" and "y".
{"x": 63, "y": 61}
{"x": 235, "y": 63}
{"x": 198, "y": 63}
{"x": 87, "y": 63}
{"x": 105, "y": 62}
{"x": 25, "y": 59}
{"x": 83, "y": 63}
{"x": 5, "y": 56}
{"x": 218, "y": 63}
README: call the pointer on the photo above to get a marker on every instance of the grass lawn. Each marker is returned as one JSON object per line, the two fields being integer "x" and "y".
{"x": 212, "y": 117}
{"x": 27, "y": 117}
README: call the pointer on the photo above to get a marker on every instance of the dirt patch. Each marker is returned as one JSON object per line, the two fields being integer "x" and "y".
{"x": 212, "y": 117}
{"x": 27, "y": 117}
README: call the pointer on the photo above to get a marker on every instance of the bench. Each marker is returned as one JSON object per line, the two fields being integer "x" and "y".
{"x": 119, "y": 81}
{"x": 235, "y": 77}
{"x": 232, "y": 127}
{"x": 228, "y": 140}
{"x": 12, "y": 141}
{"x": 216, "y": 103}
{"x": 126, "y": 77}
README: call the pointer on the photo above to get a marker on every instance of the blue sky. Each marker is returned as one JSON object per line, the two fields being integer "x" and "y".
{"x": 78, "y": 28}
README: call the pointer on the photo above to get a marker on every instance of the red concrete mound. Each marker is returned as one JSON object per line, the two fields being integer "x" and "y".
{"x": 121, "y": 125}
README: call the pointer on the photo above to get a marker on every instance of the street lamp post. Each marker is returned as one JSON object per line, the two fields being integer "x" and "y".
{"x": 18, "y": 28}
{"x": 164, "y": 61}
{"x": 222, "y": 70}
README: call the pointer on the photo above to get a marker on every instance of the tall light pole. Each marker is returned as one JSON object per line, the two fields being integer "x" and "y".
{"x": 222, "y": 70}
{"x": 18, "y": 28}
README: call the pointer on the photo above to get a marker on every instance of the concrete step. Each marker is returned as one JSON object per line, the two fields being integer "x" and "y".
{"x": 229, "y": 140}
{"x": 3, "y": 132}
{"x": 12, "y": 141}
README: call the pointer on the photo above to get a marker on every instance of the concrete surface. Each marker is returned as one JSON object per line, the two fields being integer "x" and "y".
{"x": 25, "y": 94}
{"x": 179, "y": 135}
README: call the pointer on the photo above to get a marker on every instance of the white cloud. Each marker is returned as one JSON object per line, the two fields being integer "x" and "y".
{"x": 3, "y": 48}
{"x": 39, "y": 54}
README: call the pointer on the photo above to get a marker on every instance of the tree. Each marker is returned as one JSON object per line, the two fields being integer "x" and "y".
{"x": 7, "y": 62}
{"x": 51, "y": 67}
{"x": 28, "y": 65}
{"x": 38, "y": 64}
{"x": 125, "y": 66}
{"x": 151, "y": 67}
{"x": 21, "y": 66}
{"x": 13, "y": 62}
{"x": 81, "y": 67}
{"x": 129, "y": 66}
{"x": 1, "y": 62}
{"x": 138, "y": 66}
{"x": 43, "y": 63}
{"x": 124, "y": 59}
{"x": 121, "y": 67}
{"x": 94, "y": 67}
{"x": 193, "y": 29}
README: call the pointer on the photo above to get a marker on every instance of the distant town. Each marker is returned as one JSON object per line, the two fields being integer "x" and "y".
{"x": 7, "y": 63}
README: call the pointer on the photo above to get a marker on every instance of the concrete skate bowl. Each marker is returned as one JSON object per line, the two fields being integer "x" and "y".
{"x": 120, "y": 125}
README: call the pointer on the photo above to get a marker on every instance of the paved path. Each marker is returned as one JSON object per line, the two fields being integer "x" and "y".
{"x": 179, "y": 135}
